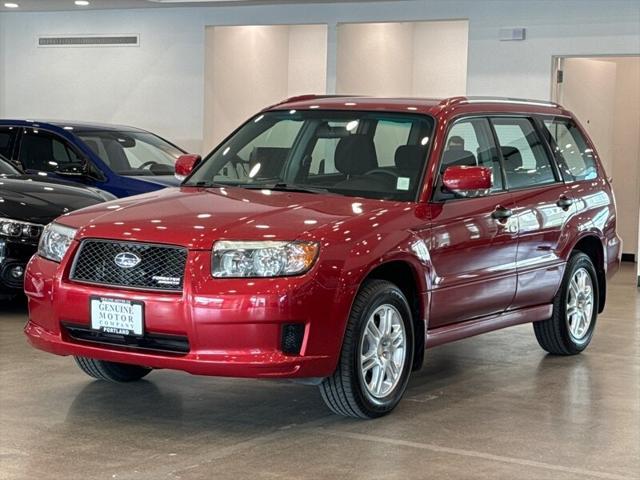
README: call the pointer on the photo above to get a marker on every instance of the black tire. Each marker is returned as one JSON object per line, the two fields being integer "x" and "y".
{"x": 554, "y": 334}
{"x": 344, "y": 392}
{"x": 111, "y": 371}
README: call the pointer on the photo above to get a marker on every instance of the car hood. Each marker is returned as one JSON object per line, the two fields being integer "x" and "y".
{"x": 196, "y": 217}
{"x": 22, "y": 198}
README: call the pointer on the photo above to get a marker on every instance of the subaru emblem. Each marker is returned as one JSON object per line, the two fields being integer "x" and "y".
{"x": 126, "y": 260}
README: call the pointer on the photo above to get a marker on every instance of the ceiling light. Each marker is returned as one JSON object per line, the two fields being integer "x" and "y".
{"x": 11, "y": 5}
{"x": 81, "y": 3}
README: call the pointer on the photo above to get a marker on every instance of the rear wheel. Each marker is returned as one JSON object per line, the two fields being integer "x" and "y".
{"x": 377, "y": 353}
{"x": 111, "y": 371}
{"x": 571, "y": 326}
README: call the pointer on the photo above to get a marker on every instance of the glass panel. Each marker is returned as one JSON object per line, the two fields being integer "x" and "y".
{"x": 370, "y": 154}
{"x": 571, "y": 149}
{"x": 44, "y": 151}
{"x": 132, "y": 152}
{"x": 525, "y": 159}
{"x": 470, "y": 143}
{"x": 7, "y": 139}
{"x": 388, "y": 137}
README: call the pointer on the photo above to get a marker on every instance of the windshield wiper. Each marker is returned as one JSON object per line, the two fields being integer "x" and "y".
{"x": 203, "y": 184}
{"x": 285, "y": 187}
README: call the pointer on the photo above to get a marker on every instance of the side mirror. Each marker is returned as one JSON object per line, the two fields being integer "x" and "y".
{"x": 75, "y": 169}
{"x": 468, "y": 181}
{"x": 185, "y": 165}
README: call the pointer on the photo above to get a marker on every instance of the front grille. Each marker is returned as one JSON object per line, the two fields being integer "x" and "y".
{"x": 160, "y": 267}
{"x": 177, "y": 344}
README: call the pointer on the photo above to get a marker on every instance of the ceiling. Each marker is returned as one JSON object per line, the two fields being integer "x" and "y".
{"x": 57, "y": 5}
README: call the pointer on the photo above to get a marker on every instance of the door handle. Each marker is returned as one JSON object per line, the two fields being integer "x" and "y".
{"x": 501, "y": 213}
{"x": 564, "y": 202}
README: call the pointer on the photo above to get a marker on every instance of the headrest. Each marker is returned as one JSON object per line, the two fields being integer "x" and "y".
{"x": 410, "y": 157}
{"x": 458, "y": 158}
{"x": 271, "y": 160}
{"x": 116, "y": 157}
{"x": 512, "y": 158}
{"x": 456, "y": 142}
{"x": 355, "y": 155}
{"x": 93, "y": 145}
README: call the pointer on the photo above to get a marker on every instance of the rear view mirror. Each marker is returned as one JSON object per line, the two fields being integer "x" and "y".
{"x": 467, "y": 181}
{"x": 185, "y": 165}
{"x": 73, "y": 169}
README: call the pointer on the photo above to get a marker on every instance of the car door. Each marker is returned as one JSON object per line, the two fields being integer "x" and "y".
{"x": 543, "y": 205}
{"x": 472, "y": 241}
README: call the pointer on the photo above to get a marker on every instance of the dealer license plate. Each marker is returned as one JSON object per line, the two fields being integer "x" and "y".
{"x": 117, "y": 316}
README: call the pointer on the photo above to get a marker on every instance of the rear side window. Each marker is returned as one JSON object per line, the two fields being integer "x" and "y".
{"x": 470, "y": 143}
{"x": 45, "y": 151}
{"x": 389, "y": 136}
{"x": 526, "y": 162}
{"x": 571, "y": 149}
{"x": 7, "y": 140}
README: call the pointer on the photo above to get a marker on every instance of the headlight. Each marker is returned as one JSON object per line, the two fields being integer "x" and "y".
{"x": 18, "y": 230}
{"x": 55, "y": 241}
{"x": 262, "y": 258}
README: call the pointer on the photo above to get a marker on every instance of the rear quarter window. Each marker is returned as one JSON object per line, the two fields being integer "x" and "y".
{"x": 570, "y": 147}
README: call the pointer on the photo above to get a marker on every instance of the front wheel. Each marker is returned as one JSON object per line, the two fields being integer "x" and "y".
{"x": 377, "y": 353}
{"x": 570, "y": 328}
{"x": 111, "y": 371}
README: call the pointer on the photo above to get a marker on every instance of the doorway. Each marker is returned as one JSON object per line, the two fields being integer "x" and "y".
{"x": 604, "y": 93}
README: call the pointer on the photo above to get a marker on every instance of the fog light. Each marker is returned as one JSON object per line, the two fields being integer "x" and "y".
{"x": 292, "y": 336}
{"x": 17, "y": 272}
{"x": 2, "y": 249}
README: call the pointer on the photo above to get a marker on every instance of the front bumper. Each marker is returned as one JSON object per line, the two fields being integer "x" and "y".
{"x": 233, "y": 326}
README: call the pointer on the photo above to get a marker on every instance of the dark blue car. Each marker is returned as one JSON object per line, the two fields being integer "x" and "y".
{"x": 121, "y": 160}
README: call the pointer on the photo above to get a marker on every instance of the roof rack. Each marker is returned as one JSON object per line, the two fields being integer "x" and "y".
{"x": 311, "y": 96}
{"x": 488, "y": 99}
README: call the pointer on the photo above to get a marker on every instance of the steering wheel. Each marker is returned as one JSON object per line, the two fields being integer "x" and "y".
{"x": 381, "y": 170}
{"x": 147, "y": 164}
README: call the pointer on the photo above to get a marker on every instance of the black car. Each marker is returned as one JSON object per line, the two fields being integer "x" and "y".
{"x": 27, "y": 204}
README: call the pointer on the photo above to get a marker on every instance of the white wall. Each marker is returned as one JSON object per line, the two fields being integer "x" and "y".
{"x": 250, "y": 67}
{"x": 160, "y": 85}
{"x": 403, "y": 58}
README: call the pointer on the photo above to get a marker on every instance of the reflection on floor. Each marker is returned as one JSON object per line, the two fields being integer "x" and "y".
{"x": 493, "y": 406}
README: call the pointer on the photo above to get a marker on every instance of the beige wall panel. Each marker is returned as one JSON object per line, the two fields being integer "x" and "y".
{"x": 440, "y": 59}
{"x": 418, "y": 59}
{"x": 375, "y": 59}
{"x": 307, "y": 59}
{"x": 248, "y": 68}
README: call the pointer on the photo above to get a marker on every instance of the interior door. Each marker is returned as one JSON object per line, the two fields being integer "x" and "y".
{"x": 543, "y": 205}
{"x": 472, "y": 241}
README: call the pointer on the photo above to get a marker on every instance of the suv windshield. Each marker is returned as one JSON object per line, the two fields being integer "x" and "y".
{"x": 132, "y": 153}
{"x": 369, "y": 154}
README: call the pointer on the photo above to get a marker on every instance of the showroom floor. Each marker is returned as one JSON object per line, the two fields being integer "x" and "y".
{"x": 489, "y": 407}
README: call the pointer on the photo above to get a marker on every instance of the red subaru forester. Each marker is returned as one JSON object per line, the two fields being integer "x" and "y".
{"x": 330, "y": 240}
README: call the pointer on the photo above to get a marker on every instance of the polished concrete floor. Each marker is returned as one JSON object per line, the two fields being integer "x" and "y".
{"x": 491, "y": 407}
